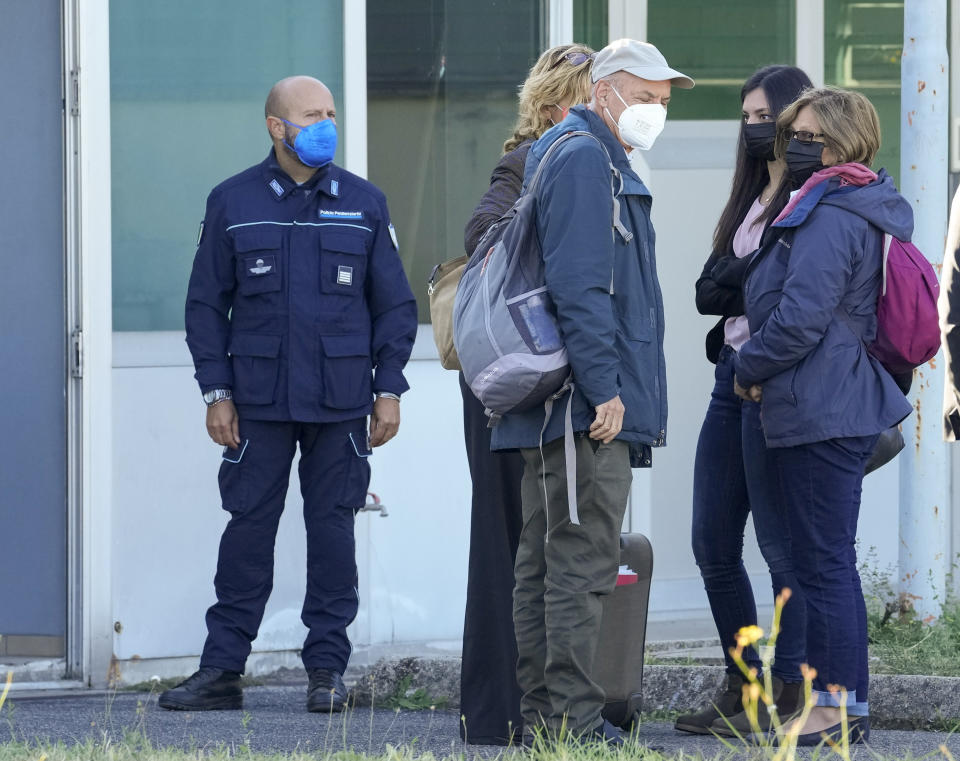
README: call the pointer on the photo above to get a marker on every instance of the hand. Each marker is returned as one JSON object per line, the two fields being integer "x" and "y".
{"x": 385, "y": 420}
{"x": 223, "y": 425}
{"x": 752, "y": 394}
{"x": 609, "y": 420}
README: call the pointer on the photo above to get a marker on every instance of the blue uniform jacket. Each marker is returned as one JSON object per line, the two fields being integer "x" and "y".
{"x": 811, "y": 300}
{"x": 297, "y": 293}
{"x": 614, "y": 342}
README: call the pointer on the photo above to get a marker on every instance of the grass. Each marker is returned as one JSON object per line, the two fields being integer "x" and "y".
{"x": 404, "y": 697}
{"x": 899, "y": 644}
{"x": 133, "y": 751}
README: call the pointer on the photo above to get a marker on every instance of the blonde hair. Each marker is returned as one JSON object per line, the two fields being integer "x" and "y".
{"x": 847, "y": 119}
{"x": 550, "y": 82}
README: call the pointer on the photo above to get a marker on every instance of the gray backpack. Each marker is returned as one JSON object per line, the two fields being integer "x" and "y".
{"x": 504, "y": 322}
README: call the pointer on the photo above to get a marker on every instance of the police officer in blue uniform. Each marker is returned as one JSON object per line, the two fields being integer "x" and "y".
{"x": 300, "y": 320}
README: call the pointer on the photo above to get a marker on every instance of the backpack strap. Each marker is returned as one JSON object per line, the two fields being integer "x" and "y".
{"x": 616, "y": 181}
{"x": 569, "y": 455}
{"x": 887, "y": 242}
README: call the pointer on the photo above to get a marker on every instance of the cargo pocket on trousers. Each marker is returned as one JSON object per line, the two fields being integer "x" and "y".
{"x": 347, "y": 382}
{"x": 256, "y": 365}
{"x": 356, "y": 479}
{"x": 233, "y": 495}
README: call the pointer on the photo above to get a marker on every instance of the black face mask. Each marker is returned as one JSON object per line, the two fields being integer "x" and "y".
{"x": 803, "y": 160}
{"x": 759, "y": 138}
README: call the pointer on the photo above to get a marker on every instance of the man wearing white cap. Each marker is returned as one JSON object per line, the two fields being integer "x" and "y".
{"x": 601, "y": 273}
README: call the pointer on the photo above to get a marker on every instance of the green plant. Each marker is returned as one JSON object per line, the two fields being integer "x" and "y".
{"x": 899, "y": 643}
{"x": 404, "y": 697}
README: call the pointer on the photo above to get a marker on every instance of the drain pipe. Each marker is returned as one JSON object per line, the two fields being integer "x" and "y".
{"x": 924, "y": 549}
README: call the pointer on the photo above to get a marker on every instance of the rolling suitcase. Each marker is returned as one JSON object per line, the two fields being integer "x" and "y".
{"x": 618, "y": 664}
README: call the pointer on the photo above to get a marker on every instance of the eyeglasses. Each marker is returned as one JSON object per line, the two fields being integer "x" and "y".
{"x": 807, "y": 138}
{"x": 574, "y": 57}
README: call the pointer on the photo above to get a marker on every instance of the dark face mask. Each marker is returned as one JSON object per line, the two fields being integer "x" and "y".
{"x": 759, "y": 138}
{"x": 803, "y": 160}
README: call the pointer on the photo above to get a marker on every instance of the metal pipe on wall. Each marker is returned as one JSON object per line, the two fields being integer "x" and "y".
{"x": 924, "y": 549}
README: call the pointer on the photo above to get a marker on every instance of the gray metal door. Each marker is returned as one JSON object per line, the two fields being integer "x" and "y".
{"x": 33, "y": 424}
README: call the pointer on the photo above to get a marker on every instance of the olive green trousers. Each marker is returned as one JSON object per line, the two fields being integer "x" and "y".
{"x": 562, "y": 571}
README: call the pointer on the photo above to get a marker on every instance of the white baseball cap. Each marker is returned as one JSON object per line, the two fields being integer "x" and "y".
{"x": 638, "y": 58}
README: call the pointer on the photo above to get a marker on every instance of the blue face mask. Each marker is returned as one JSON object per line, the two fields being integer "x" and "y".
{"x": 315, "y": 144}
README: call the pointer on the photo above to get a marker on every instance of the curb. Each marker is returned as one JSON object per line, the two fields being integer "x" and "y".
{"x": 897, "y": 701}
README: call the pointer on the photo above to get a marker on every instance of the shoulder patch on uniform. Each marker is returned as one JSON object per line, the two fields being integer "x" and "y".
{"x": 200, "y": 232}
{"x": 393, "y": 236}
{"x": 277, "y": 187}
{"x": 337, "y": 214}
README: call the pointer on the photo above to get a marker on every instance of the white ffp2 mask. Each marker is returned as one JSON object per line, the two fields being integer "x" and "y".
{"x": 640, "y": 124}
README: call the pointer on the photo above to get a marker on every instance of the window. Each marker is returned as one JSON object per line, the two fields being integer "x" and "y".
{"x": 188, "y": 82}
{"x": 862, "y": 47}
{"x": 443, "y": 78}
{"x": 590, "y": 22}
{"x": 720, "y": 45}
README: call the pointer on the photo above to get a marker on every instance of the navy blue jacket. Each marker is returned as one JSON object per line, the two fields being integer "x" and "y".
{"x": 614, "y": 342}
{"x": 811, "y": 300}
{"x": 297, "y": 293}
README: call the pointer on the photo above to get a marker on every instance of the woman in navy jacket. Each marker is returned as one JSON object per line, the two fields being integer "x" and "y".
{"x": 732, "y": 474}
{"x": 810, "y": 295}
{"x": 489, "y": 695}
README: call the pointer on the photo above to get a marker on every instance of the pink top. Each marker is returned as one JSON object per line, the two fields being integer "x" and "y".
{"x": 745, "y": 241}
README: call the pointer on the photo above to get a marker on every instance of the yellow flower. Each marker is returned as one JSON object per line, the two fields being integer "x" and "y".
{"x": 748, "y": 635}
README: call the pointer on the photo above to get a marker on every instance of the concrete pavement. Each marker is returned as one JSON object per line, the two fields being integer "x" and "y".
{"x": 274, "y": 720}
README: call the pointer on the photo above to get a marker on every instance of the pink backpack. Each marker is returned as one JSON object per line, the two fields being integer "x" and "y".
{"x": 908, "y": 328}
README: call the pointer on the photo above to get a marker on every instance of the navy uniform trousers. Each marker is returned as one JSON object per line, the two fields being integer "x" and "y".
{"x": 334, "y": 476}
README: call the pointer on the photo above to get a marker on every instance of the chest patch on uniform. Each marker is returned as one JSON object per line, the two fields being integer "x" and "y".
{"x": 344, "y": 275}
{"x": 355, "y": 216}
{"x": 261, "y": 265}
{"x": 277, "y": 187}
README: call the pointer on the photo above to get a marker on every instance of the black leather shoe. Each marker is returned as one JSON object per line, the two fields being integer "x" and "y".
{"x": 326, "y": 693}
{"x": 209, "y": 689}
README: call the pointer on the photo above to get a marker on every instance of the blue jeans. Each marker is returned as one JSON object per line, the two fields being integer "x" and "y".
{"x": 734, "y": 474}
{"x": 820, "y": 487}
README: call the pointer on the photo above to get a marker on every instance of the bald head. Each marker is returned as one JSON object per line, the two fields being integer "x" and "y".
{"x": 289, "y": 97}
{"x": 294, "y": 103}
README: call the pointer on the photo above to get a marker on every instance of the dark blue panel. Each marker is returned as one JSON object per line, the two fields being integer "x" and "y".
{"x": 32, "y": 342}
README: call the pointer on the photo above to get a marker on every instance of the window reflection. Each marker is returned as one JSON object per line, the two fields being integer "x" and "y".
{"x": 863, "y": 45}
{"x": 187, "y": 85}
{"x": 443, "y": 77}
{"x": 720, "y": 45}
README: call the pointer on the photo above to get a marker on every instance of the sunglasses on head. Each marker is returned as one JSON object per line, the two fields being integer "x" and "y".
{"x": 575, "y": 58}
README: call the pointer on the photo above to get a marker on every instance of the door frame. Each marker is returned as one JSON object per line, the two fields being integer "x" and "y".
{"x": 88, "y": 338}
